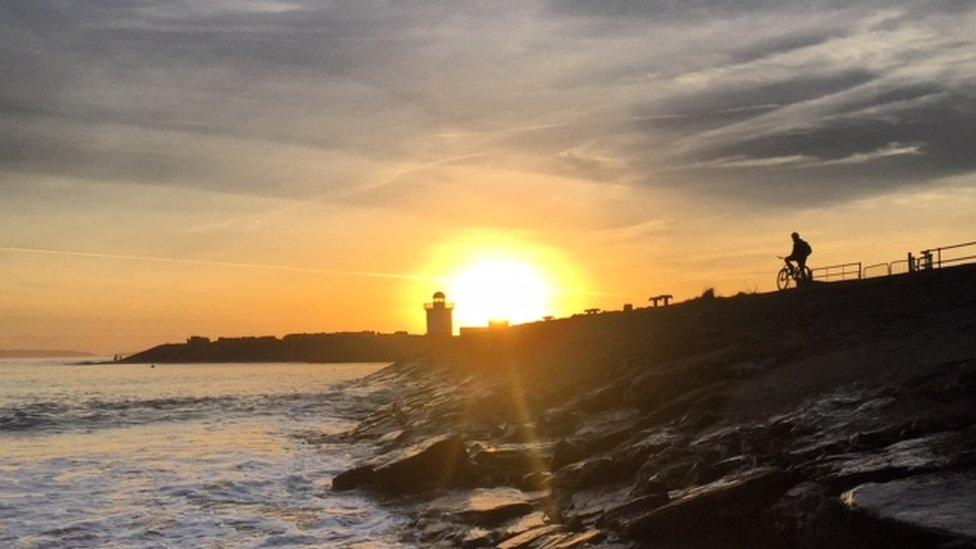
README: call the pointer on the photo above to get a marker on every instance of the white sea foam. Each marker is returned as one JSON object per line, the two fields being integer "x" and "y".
{"x": 188, "y": 455}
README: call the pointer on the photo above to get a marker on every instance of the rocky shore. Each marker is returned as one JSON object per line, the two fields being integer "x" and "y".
{"x": 836, "y": 416}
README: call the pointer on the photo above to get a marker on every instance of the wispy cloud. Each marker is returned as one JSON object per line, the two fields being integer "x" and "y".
{"x": 327, "y": 101}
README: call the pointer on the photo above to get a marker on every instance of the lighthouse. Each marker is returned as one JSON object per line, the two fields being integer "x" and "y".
{"x": 439, "y": 316}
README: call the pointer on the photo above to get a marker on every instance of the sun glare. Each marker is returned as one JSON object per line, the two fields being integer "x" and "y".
{"x": 497, "y": 275}
{"x": 499, "y": 289}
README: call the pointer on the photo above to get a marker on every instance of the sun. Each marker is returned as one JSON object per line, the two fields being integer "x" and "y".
{"x": 491, "y": 274}
{"x": 496, "y": 288}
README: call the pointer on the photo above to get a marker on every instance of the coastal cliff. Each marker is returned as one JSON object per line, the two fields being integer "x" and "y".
{"x": 837, "y": 415}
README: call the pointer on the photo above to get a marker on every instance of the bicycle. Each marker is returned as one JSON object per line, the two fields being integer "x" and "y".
{"x": 790, "y": 273}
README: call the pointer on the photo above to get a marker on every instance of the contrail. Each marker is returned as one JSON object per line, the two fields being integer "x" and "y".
{"x": 101, "y": 255}
{"x": 265, "y": 266}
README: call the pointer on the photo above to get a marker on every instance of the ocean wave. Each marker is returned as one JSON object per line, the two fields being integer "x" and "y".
{"x": 99, "y": 413}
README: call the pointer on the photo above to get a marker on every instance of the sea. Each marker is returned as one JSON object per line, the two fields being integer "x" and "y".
{"x": 183, "y": 455}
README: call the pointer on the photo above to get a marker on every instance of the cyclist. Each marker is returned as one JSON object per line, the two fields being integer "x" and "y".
{"x": 801, "y": 250}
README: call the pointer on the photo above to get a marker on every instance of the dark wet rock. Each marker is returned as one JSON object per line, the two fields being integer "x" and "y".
{"x": 937, "y": 507}
{"x": 808, "y": 514}
{"x": 587, "y": 508}
{"x": 513, "y": 461}
{"x": 436, "y": 463}
{"x": 352, "y": 478}
{"x": 566, "y": 452}
{"x": 635, "y": 506}
{"x": 591, "y": 472}
{"x": 899, "y": 460}
{"x": 671, "y": 468}
{"x": 603, "y": 398}
{"x": 644, "y": 445}
{"x": 706, "y": 509}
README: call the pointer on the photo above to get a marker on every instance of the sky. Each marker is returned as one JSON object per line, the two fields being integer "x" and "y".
{"x": 248, "y": 167}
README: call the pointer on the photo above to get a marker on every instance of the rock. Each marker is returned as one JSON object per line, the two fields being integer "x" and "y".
{"x": 494, "y": 505}
{"x": 650, "y": 442}
{"x": 598, "y": 471}
{"x": 528, "y": 522}
{"x": 437, "y": 463}
{"x": 707, "y": 509}
{"x": 392, "y": 437}
{"x": 477, "y": 537}
{"x": 352, "y": 478}
{"x": 806, "y": 515}
{"x": 526, "y": 538}
{"x": 536, "y": 480}
{"x": 640, "y": 504}
{"x": 937, "y": 507}
{"x": 482, "y": 506}
{"x": 566, "y": 452}
{"x": 516, "y": 461}
{"x": 588, "y": 508}
{"x": 567, "y": 541}
{"x": 898, "y": 460}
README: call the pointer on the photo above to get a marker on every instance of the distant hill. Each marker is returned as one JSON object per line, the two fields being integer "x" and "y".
{"x": 37, "y": 353}
{"x": 321, "y": 347}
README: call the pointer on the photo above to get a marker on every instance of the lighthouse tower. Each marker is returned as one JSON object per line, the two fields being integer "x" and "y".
{"x": 439, "y": 316}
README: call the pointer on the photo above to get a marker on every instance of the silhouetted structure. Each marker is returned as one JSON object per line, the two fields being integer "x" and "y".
{"x": 493, "y": 327}
{"x": 666, "y": 298}
{"x": 439, "y": 321}
{"x": 592, "y": 311}
{"x": 628, "y": 307}
{"x": 332, "y": 347}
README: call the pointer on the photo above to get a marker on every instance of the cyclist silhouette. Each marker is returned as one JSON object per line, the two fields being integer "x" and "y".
{"x": 801, "y": 250}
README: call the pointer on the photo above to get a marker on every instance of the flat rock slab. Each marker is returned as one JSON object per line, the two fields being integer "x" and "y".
{"x": 940, "y": 504}
{"x": 707, "y": 508}
{"x": 436, "y": 463}
{"x": 482, "y": 506}
{"x": 904, "y": 458}
{"x": 525, "y": 539}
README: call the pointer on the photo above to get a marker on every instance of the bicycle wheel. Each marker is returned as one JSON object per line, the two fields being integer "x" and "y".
{"x": 807, "y": 275}
{"x": 783, "y": 279}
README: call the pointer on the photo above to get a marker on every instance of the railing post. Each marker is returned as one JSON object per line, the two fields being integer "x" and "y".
{"x": 859, "y": 270}
{"x": 911, "y": 263}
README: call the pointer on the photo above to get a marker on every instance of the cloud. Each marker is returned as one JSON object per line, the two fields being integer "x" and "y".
{"x": 768, "y": 102}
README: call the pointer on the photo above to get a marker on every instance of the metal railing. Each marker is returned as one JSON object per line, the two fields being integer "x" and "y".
{"x": 933, "y": 258}
{"x": 843, "y": 271}
{"x": 900, "y": 266}
{"x": 884, "y": 269}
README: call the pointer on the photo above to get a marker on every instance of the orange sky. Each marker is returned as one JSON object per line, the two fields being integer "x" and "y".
{"x": 594, "y": 252}
{"x": 320, "y": 167}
